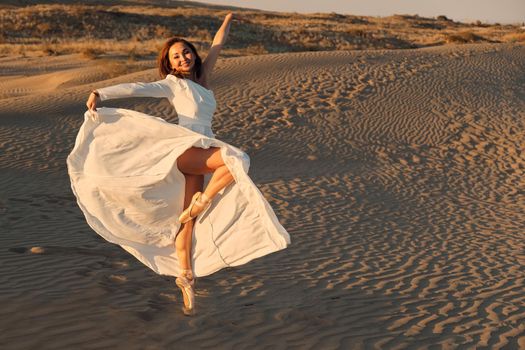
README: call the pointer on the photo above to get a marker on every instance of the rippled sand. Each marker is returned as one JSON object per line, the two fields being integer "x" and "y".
{"x": 399, "y": 175}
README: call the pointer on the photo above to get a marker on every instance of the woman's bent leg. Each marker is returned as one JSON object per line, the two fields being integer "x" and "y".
{"x": 202, "y": 161}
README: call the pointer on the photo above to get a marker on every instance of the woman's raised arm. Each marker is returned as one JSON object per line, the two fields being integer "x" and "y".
{"x": 218, "y": 41}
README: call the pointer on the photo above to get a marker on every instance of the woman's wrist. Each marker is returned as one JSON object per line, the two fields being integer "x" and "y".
{"x": 95, "y": 92}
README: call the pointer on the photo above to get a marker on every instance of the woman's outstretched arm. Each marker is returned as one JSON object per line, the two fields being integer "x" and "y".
{"x": 218, "y": 41}
{"x": 159, "y": 89}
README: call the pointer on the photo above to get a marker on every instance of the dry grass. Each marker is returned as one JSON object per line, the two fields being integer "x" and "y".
{"x": 92, "y": 53}
{"x": 518, "y": 37}
{"x": 139, "y": 31}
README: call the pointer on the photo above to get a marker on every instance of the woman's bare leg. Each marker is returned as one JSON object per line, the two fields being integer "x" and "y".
{"x": 194, "y": 163}
{"x": 183, "y": 242}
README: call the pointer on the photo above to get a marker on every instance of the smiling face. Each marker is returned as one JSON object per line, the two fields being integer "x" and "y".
{"x": 181, "y": 57}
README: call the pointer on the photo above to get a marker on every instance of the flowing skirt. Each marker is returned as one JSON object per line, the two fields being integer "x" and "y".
{"x": 124, "y": 174}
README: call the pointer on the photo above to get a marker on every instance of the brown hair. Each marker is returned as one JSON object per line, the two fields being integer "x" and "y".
{"x": 164, "y": 60}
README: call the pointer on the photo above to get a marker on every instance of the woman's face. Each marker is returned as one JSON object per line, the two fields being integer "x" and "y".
{"x": 181, "y": 57}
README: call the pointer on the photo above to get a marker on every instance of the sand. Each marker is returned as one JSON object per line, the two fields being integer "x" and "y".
{"x": 399, "y": 175}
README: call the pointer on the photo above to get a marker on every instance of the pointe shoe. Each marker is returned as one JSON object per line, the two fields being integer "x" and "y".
{"x": 199, "y": 202}
{"x": 186, "y": 282}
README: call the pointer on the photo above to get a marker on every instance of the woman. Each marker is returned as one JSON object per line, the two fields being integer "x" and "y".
{"x": 133, "y": 173}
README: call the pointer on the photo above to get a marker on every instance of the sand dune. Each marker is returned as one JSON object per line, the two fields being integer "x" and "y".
{"x": 399, "y": 175}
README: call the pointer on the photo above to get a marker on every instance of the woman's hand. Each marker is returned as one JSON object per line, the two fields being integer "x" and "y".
{"x": 92, "y": 101}
{"x": 235, "y": 17}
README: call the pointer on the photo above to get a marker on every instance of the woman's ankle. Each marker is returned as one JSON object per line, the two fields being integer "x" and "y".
{"x": 187, "y": 273}
{"x": 204, "y": 198}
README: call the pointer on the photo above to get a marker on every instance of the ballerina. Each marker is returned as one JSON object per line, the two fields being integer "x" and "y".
{"x": 234, "y": 227}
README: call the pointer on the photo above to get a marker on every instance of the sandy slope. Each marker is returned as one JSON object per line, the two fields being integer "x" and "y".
{"x": 399, "y": 175}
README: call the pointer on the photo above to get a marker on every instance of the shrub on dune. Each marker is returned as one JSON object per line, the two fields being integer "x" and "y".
{"x": 463, "y": 38}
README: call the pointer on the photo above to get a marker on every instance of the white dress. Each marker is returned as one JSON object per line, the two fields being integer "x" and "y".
{"x": 123, "y": 172}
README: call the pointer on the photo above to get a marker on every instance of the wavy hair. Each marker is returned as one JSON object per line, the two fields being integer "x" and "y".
{"x": 164, "y": 60}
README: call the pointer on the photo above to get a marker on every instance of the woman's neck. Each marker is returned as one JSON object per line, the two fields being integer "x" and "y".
{"x": 189, "y": 75}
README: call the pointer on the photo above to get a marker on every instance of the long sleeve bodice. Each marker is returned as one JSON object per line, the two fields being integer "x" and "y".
{"x": 193, "y": 103}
